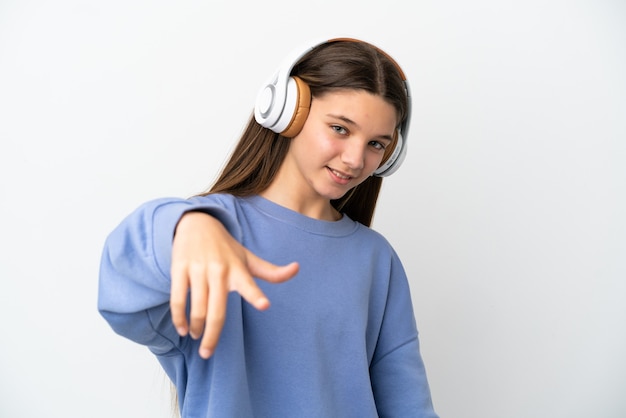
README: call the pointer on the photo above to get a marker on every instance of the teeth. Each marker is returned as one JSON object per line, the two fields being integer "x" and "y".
{"x": 341, "y": 176}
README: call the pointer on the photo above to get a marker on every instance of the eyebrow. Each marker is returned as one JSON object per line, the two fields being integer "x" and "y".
{"x": 353, "y": 123}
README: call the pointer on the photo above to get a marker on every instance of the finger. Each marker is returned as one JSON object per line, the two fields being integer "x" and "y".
{"x": 178, "y": 299}
{"x": 199, "y": 298}
{"x": 216, "y": 315}
{"x": 268, "y": 271}
{"x": 251, "y": 293}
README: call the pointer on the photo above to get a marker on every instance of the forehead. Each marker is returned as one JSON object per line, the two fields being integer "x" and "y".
{"x": 359, "y": 106}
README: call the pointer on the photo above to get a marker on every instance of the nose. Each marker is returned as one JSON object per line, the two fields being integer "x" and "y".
{"x": 353, "y": 155}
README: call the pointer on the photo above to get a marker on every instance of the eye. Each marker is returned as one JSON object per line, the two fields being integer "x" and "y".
{"x": 339, "y": 129}
{"x": 378, "y": 145}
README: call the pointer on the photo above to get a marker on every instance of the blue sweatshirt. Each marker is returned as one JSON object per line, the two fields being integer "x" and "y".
{"x": 339, "y": 340}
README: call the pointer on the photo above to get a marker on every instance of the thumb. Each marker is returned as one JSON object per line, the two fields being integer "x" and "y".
{"x": 270, "y": 272}
{"x": 267, "y": 271}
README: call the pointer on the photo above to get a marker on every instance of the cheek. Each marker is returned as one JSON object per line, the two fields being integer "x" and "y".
{"x": 373, "y": 160}
{"x": 328, "y": 148}
{"x": 310, "y": 151}
{"x": 321, "y": 145}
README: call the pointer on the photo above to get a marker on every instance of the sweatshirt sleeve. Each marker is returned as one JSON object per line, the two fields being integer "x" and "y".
{"x": 397, "y": 371}
{"x": 134, "y": 277}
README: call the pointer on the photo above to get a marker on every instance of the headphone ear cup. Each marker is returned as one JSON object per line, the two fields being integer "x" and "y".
{"x": 394, "y": 161}
{"x": 301, "y": 110}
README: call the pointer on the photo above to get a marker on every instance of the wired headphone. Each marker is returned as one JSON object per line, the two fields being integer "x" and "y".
{"x": 282, "y": 104}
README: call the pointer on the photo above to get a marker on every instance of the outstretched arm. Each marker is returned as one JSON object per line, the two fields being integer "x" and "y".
{"x": 210, "y": 263}
{"x": 166, "y": 248}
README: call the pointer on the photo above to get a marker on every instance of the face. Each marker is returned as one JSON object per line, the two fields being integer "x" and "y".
{"x": 341, "y": 144}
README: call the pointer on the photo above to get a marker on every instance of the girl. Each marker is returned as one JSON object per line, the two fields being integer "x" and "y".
{"x": 287, "y": 221}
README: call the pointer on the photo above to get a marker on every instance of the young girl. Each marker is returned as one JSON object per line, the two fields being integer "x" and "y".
{"x": 287, "y": 221}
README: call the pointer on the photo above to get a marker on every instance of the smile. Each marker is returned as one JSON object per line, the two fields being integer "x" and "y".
{"x": 339, "y": 176}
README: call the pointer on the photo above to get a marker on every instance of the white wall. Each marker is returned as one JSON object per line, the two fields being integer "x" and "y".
{"x": 508, "y": 212}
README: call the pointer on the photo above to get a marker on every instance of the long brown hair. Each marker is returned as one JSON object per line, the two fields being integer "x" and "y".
{"x": 260, "y": 152}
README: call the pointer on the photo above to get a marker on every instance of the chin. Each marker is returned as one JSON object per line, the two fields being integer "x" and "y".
{"x": 337, "y": 195}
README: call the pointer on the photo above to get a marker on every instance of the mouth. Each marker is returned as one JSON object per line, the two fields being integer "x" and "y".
{"x": 339, "y": 176}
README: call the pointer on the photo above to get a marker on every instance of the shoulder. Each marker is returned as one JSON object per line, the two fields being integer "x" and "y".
{"x": 373, "y": 242}
{"x": 219, "y": 199}
{"x": 373, "y": 236}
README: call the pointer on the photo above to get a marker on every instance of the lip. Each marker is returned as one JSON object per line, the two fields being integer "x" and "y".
{"x": 339, "y": 177}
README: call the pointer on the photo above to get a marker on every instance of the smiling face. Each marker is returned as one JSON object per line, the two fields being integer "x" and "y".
{"x": 342, "y": 143}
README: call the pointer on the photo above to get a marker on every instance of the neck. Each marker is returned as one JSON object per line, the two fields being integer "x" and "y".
{"x": 285, "y": 194}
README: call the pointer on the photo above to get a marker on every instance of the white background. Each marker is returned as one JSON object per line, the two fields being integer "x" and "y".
{"x": 509, "y": 212}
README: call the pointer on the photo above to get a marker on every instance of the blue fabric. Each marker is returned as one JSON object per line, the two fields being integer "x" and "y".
{"x": 339, "y": 340}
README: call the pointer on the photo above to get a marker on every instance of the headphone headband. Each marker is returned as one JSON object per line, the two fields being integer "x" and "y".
{"x": 282, "y": 100}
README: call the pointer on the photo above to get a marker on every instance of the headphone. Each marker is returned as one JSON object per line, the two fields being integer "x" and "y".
{"x": 282, "y": 104}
